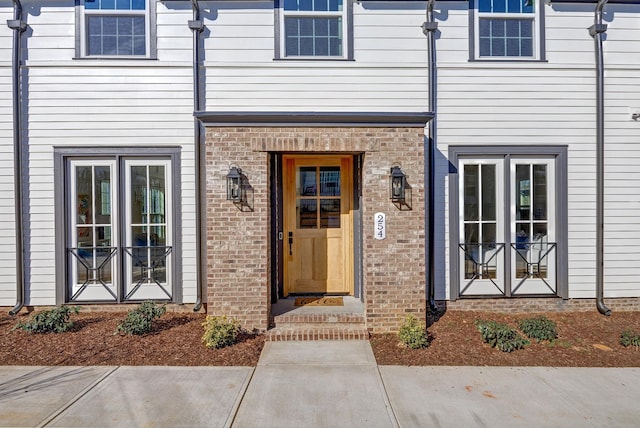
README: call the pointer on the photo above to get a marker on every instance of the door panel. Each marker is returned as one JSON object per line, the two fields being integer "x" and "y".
{"x": 318, "y": 256}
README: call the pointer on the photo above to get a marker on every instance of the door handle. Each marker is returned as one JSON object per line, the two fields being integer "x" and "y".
{"x": 290, "y": 242}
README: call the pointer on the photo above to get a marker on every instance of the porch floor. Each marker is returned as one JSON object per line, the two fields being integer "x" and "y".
{"x": 352, "y": 305}
{"x": 290, "y": 322}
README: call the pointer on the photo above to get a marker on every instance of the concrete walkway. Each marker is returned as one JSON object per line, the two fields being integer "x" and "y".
{"x": 318, "y": 384}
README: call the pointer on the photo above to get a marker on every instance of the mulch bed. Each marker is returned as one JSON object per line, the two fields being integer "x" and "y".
{"x": 175, "y": 341}
{"x": 586, "y": 339}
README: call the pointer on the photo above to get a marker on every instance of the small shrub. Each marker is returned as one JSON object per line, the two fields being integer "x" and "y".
{"x": 629, "y": 338}
{"x": 413, "y": 333}
{"x": 501, "y": 336}
{"x": 139, "y": 321}
{"x": 539, "y": 328}
{"x": 54, "y": 320}
{"x": 220, "y": 331}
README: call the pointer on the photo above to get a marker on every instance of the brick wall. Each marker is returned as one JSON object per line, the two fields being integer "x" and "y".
{"x": 238, "y": 267}
{"x": 539, "y": 304}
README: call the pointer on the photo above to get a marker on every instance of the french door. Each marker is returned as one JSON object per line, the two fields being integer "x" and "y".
{"x": 119, "y": 224}
{"x": 507, "y": 226}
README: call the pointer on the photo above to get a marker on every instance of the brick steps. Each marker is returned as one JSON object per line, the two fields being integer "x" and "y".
{"x": 341, "y": 326}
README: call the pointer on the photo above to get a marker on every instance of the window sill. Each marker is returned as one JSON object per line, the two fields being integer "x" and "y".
{"x": 312, "y": 59}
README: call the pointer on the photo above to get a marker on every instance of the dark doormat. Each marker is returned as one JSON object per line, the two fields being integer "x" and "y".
{"x": 319, "y": 301}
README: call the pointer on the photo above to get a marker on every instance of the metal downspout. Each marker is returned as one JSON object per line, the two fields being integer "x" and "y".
{"x": 197, "y": 25}
{"x": 429, "y": 28}
{"x": 596, "y": 31}
{"x": 18, "y": 26}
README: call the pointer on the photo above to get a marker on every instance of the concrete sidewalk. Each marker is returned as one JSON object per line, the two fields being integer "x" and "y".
{"x": 318, "y": 384}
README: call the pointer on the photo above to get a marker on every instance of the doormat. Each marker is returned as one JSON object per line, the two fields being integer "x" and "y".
{"x": 319, "y": 301}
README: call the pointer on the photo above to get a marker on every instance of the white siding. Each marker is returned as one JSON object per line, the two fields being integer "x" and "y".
{"x": 84, "y": 103}
{"x": 79, "y": 103}
{"x": 553, "y": 102}
{"x": 388, "y": 72}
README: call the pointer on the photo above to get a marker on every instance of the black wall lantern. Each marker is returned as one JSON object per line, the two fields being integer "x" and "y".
{"x": 235, "y": 188}
{"x": 397, "y": 185}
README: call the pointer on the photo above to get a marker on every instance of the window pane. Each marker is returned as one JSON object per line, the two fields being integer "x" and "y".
{"x": 313, "y": 36}
{"x": 139, "y": 196}
{"x": 306, "y": 184}
{"x": 102, "y": 207}
{"x": 484, "y": 5}
{"x": 523, "y": 192}
{"x": 157, "y": 194}
{"x": 307, "y": 213}
{"x": 506, "y": 37}
{"x": 471, "y": 192}
{"x": 539, "y": 192}
{"x": 313, "y": 5}
{"x": 330, "y": 181}
{"x": 488, "y": 192}
{"x": 489, "y": 233}
{"x": 330, "y": 213}
{"x": 116, "y": 35}
{"x": 471, "y": 233}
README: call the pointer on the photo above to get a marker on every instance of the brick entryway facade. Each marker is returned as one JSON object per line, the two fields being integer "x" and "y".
{"x": 240, "y": 258}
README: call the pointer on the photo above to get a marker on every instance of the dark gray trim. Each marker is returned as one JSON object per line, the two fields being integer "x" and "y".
{"x": 542, "y": 25}
{"x": 61, "y": 156}
{"x": 358, "y": 232}
{"x": 595, "y": 1}
{"x": 472, "y": 31}
{"x": 409, "y": 119}
{"x": 561, "y": 221}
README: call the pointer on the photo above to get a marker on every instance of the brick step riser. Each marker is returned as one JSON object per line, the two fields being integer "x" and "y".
{"x": 304, "y": 334}
{"x": 324, "y": 319}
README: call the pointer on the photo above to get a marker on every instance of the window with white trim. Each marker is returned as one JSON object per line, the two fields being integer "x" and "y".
{"x": 115, "y": 28}
{"x": 313, "y": 28}
{"x": 507, "y": 29}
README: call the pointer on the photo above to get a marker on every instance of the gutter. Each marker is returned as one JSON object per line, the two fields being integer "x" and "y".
{"x": 596, "y": 31}
{"x": 429, "y": 28}
{"x": 18, "y": 26}
{"x": 197, "y": 26}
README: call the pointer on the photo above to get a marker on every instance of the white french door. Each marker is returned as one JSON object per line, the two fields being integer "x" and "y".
{"x": 92, "y": 254}
{"x": 119, "y": 230}
{"x": 147, "y": 230}
{"x": 533, "y": 226}
{"x": 507, "y": 226}
{"x": 482, "y": 243}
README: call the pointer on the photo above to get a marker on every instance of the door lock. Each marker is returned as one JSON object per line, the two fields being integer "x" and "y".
{"x": 290, "y": 243}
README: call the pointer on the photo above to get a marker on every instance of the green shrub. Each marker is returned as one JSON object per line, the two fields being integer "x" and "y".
{"x": 220, "y": 331}
{"x": 54, "y": 320}
{"x": 539, "y": 328}
{"x": 413, "y": 333}
{"x": 501, "y": 336}
{"x": 139, "y": 321}
{"x": 629, "y": 338}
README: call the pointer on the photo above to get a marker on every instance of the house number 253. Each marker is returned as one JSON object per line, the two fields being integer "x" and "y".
{"x": 380, "y": 226}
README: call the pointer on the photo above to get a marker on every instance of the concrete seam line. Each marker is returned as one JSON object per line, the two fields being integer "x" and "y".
{"x": 236, "y": 406}
{"x": 81, "y": 394}
{"x": 387, "y": 400}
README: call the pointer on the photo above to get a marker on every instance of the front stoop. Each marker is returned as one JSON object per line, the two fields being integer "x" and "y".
{"x": 318, "y": 327}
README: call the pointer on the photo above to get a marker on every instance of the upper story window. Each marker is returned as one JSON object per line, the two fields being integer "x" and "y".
{"x": 313, "y": 28}
{"x": 116, "y": 28}
{"x": 507, "y": 29}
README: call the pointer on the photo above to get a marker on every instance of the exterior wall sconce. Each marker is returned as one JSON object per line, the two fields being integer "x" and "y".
{"x": 397, "y": 185}
{"x": 239, "y": 190}
{"x": 235, "y": 191}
